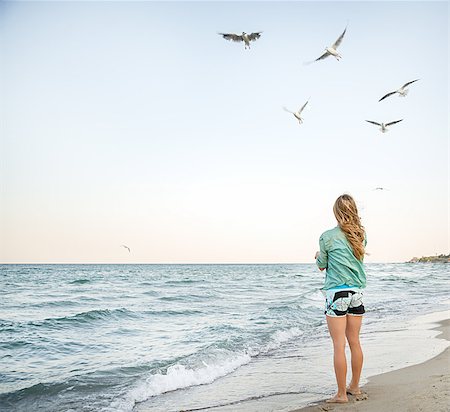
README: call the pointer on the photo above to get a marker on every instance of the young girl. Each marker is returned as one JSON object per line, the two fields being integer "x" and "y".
{"x": 341, "y": 254}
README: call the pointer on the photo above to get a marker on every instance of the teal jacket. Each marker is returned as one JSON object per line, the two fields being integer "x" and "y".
{"x": 336, "y": 256}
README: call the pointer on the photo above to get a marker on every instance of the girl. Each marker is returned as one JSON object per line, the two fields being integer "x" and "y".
{"x": 341, "y": 254}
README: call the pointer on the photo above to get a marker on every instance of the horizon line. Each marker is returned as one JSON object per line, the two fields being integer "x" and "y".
{"x": 177, "y": 263}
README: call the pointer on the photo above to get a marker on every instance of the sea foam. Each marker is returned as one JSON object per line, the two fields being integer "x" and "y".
{"x": 178, "y": 377}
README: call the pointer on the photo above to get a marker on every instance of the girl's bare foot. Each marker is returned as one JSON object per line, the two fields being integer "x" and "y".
{"x": 337, "y": 399}
{"x": 353, "y": 391}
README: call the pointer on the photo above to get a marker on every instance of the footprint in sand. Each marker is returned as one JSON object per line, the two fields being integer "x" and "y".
{"x": 361, "y": 396}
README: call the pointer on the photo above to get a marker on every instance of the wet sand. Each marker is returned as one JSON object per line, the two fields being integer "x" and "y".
{"x": 420, "y": 388}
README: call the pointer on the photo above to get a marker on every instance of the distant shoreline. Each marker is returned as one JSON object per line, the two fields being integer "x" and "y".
{"x": 431, "y": 259}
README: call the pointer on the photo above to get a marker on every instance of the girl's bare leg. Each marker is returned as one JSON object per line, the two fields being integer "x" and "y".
{"x": 337, "y": 328}
{"x": 352, "y": 333}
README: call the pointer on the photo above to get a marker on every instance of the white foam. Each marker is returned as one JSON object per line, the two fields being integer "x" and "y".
{"x": 431, "y": 318}
{"x": 179, "y": 377}
{"x": 282, "y": 336}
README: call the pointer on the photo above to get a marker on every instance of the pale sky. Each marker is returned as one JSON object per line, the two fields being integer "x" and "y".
{"x": 135, "y": 123}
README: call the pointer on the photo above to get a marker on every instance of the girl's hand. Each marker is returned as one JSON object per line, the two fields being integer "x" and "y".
{"x": 317, "y": 255}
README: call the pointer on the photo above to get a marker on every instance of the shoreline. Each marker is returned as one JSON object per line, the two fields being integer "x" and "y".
{"x": 422, "y": 387}
{"x": 386, "y": 346}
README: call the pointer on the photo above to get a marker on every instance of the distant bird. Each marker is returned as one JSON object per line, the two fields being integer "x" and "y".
{"x": 380, "y": 188}
{"x": 126, "y": 247}
{"x": 383, "y": 126}
{"x": 331, "y": 51}
{"x": 246, "y": 38}
{"x": 403, "y": 91}
{"x": 298, "y": 113}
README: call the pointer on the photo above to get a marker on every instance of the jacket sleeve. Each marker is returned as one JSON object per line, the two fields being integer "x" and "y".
{"x": 322, "y": 259}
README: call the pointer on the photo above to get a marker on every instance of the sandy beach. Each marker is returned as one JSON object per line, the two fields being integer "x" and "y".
{"x": 424, "y": 387}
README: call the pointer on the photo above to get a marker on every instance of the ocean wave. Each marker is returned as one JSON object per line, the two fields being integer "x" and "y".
{"x": 280, "y": 337}
{"x": 96, "y": 314}
{"x": 189, "y": 297}
{"x": 9, "y": 345}
{"x": 398, "y": 279}
{"x": 215, "y": 365}
{"x": 185, "y": 312}
{"x": 80, "y": 281}
{"x": 151, "y": 292}
{"x": 84, "y": 318}
{"x": 178, "y": 377}
{"x": 54, "y": 303}
{"x": 184, "y": 282}
{"x": 30, "y": 398}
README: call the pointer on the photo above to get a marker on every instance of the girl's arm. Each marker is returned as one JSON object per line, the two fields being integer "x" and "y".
{"x": 322, "y": 256}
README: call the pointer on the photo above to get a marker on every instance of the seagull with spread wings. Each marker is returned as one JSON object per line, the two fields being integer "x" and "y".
{"x": 298, "y": 113}
{"x": 383, "y": 126}
{"x": 403, "y": 91}
{"x": 126, "y": 247}
{"x": 246, "y": 38}
{"x": 331, "y": 51}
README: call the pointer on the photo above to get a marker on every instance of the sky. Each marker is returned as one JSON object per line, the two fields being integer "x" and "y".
{"x": 135, "y": 123}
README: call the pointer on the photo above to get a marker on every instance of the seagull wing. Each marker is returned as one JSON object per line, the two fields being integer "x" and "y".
{"x": 407, "y": 84}
{"x": 391, "y": 123}
{"x": 126, "y": 247}
{"x": 339, "y": 40}
{"x": 301, "y": 110}
{"x": 370, "y": 121}
{"x": 326, "y": 54}
{"x": 232, "y": 37}
{"x": 387, "y": 95}
{"x": 287, "y": 110}
{"x": 254, "y": 36}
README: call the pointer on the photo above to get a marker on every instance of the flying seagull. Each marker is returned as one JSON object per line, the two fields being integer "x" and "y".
{"x": 126, "y": 247}
{"x": 403, "y": 91}
{"x": 380, "y": 188}
{"x": 331, "y": 51}
{"x": 298, "y": 113}
{"x": 246, "y": 38}
{"x": 383, "y": 126}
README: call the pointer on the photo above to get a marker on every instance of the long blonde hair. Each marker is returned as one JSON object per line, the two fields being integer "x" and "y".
{"x": 346, "y": 214}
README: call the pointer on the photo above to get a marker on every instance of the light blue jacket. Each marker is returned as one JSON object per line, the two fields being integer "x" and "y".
{"x": 336, "y": 256}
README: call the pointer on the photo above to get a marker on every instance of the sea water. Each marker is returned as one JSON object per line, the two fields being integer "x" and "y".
{"x": 186, "y": 337}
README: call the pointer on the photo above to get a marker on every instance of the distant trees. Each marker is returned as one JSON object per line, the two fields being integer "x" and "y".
{"x": 431, "y": 259}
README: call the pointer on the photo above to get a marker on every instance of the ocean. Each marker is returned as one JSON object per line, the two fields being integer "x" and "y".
{"x": 192, "y": 337}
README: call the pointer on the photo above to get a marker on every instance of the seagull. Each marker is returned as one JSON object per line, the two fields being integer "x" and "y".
{"x": 331, "y": 51}
{"x": 380, "y": 188}
{"x": 383, "y": 126}
{"x": 403, "y": 91}
{"x": 246, "y": 38}
{"x": 126, "y": 247}
{"x": 297, "y": 114}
